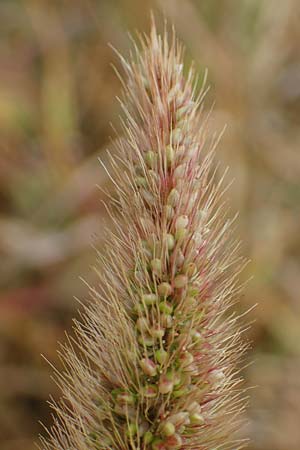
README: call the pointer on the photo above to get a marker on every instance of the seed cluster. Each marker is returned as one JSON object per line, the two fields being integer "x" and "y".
{"x": 162, "y": 353}
{"x": 169, "y": 313}
{"x": 179, "y": 374}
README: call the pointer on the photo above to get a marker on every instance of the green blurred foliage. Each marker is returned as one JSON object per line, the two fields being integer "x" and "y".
{"x": 57, "y": 99}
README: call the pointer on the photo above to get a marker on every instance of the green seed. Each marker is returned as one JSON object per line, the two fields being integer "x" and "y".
{"x": 173, "y": 197}
{"x": 180, "y": 171}
{"x": 148, "y": 341}
{"x": 169, "y": 210}
{"x": 175, "y": 441}
{"x": 139, "y": 309}
{"x": 157, "y": 444}
{"x": 180, "y": 392}
{"x": 150, "y": 159}
{"x": 196, "y": 336}
{"x": 176, "y": 377}
{"x": 125, "y": 399}
{"x": 181, "y": 222}
{"x": 166, "y": 307}
{"x": 141, "y": 181}
{"x": 180, "y": 234}
{"x": 166, "y": 320}
{"x": 148, "y": 367}
{"x": 168, "y": 429}
{"x": 190, "y": 302}
{"x": 93, "y": 436}
{"x": 186, "y": 359}
{"x": 180, "y": 281}
{"x": 169, "y": 155}
{"x": 157, "y": 332}
{"x": 148, "y": 437}
{"x": 170, "y": 241}
{"x": 194, "y": 407}
{"x": 165, "y": 384}
{"x": 196, "y": 419}
{"x": 179, "y": 419}
{"x": 150, "y": 391}
{"x": 161, "y": 356}
{"x": 156, "y": 266}
{"x": 149, "y": 299}
{"x": 132, "y": 430}
{"x": 147, "y": 196}
{"x": 193, "y": 291}
{"x": 142, "y": 324}
{"x": 124, "y": 410}
{"x": 164, "y": 289}
{"x": 179, "y": 258}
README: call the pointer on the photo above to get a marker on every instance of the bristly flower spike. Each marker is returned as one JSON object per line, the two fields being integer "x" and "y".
{"x": 157, "y": 351}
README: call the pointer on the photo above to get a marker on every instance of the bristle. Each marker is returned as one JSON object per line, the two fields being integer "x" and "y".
{"x": 157, "y": 352}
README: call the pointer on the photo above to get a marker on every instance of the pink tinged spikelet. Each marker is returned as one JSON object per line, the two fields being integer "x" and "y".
{"x": 157, "y": 355}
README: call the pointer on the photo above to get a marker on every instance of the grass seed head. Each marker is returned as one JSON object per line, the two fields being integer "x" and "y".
{"x": 156, "y": 346}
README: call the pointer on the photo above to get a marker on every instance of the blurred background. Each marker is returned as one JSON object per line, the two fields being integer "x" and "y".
{"x": 57, "y": 99}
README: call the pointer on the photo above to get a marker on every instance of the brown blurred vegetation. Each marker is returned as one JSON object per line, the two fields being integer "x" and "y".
{"x": 57, "y": 98}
